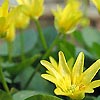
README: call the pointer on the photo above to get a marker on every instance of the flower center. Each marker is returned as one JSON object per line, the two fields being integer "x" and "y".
{"x": 72, "y": 89}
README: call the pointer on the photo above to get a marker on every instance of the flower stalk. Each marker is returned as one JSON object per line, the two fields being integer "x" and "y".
{"x": 22, "y": 45}
{"x": 9, "y": 44}
{"x": 44, "y": 57}
{"x": 39, "y": 29}
{"x": 3, "y": 81}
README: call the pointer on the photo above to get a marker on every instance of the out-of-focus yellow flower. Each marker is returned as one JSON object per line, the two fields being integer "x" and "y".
{"x": 6, "y": 22}
{"x": 21, "y": 20}
{"x": 3, "y": 20}
{"x": 10, "y": 36}
{"x": 32, "y": 8}
{"x": 97, "y": 4}
{"x": 71, "y": 82}
{"x": 66, "y": 19}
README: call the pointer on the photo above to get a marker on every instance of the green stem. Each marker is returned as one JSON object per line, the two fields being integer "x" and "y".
{"x": 51, "y": 47}
{"x": 3, "y": 81}
{"x": 9, "y": 51}
{"x": 44, "y": 57}
{"x": 39, "y": 29}
{"x": 22, "y": 45}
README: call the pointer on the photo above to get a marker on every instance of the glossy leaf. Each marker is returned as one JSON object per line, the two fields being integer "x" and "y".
{"x": 90, "y": 36}
{"x": 37, "y": 83}
{"x": 15, "y": 68}
{"x": 50, "y": 34}
{"x": 22, "y": 95}
{"x": 43, "y": 97}
{"x": 30, "y": 39}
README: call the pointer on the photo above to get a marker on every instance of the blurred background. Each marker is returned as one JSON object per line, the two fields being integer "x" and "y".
{"x": 86, "y": 39}
{"x": 47, "y": 18}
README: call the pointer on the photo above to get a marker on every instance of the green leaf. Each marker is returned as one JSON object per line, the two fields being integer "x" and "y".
{"x": 87, "y": 53}
{"x": 98, "y": 98}
{"x": 30, "y": 39}
{"x": 4, "y": 96}
{"x": 90, "y": 98}
{"x": 15, "y": 68}
{"x": 96, "y": 50}
{"x": 43, "y": 97}
{"x": 22, "y": 95}
{"x": 37, "y": 83}
{"x": 50, "y": 34}
{"x": 69, "y": 51}
{"x": 90, "y": 36}
{"x": 78, "y": 36}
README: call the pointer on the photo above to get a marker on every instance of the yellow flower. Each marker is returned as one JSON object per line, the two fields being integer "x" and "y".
{"x": 10, "y": 36}
{"x": 3, "y": 20}
{"x": 97, "y": 4}
{"x": 21, "y": 20}
{"x": 6, "y": 22}
{"x": 33, "y": 8}
{"x": 71, "y": 82}
{"x": 66, "y": 19}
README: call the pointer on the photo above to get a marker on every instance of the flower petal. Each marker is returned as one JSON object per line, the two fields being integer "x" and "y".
{"x": 47, "y": 65}
{"x": 94, "y": 84}
{"x": 78, "y": 68}
{"x": 63, "y": 65}
{"x": 97, "y": 4}
{"x": 50, "y": 68}
{"x": 11, "y": 33}
{"x": 49, "y": 78}
{"x": 64, "y": 70}
{"x": 5, "y": 8}
{"x": 53, "y": 62}
{"x": 89, "y": 74}
{"x": 58, "y": 91}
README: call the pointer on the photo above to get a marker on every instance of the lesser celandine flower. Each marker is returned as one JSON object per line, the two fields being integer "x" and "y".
{"x": 66, "y": 19}
{"x": 21, "y": 20}
{"x": 97, "y": 4}
{"x": 71, "y": 82}
{"x": 3, "y": 16}
{"x": 6, "y": 22}
{"x": 10, "y": 36}
{"x": 32, "y": 8}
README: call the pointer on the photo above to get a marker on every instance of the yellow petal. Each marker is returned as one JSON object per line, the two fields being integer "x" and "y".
{"x": 67, "y": 19}
{"x": 64, "y": 70}
{"x": 34, "y": 8}
{"x": 58, "y": 91}
{"x": 22, "y": 21}
{"x": 78, "y": 68}
{"x": 97, "y": 4}
{"x": 10, "y": 33}
{"x": 53, "y": 62}
{"x": 92, "y": 85}
{"x": 89, "y": 74}
{"x": 63, "y": 65}
{"x": 37, "y": 8}
{"x": 49, "y": 78}
{"x": 47, "y": 65}
{"x": 5, "y": 7}
{"x": 3, "y": 26}
{"x": 51, "y": 69}
{"x": 89, "y": 90}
